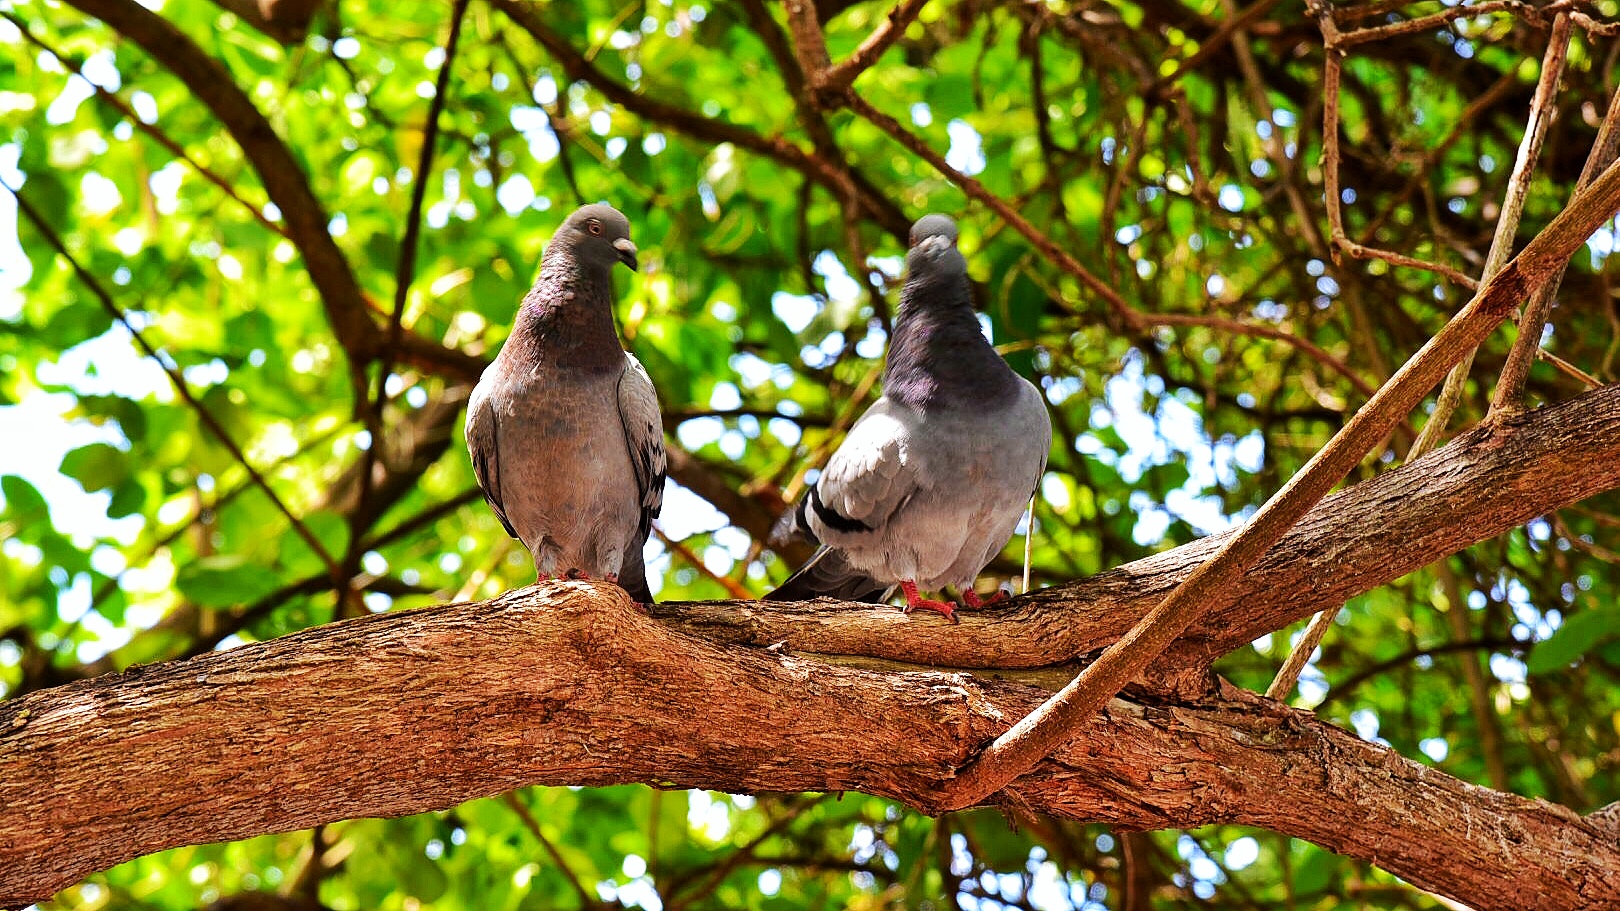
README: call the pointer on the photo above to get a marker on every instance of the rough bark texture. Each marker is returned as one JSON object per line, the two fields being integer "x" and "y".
{"x": 566, "y": 684}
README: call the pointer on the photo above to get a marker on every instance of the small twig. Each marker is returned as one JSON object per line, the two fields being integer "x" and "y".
{"x": 1424, "y": 23}
{"x": 1510, "y": 388}
{"x": 732, "y": 586}
{"x": 406, "y": 271}
{"x": 839, "y": 78}
{"x": 1542, "y": 109}
{"x": 1288, "y": 674}
{"x": 972, "y": 187}
{"x": 586, "y": 899}
{"x": 175, "y": 377}
{"x": 1359, "y": 251}
{"x": 1568, "y": 369}
{"x": 160, "y": 137}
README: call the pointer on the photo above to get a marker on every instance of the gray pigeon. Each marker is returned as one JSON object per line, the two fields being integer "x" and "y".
{"x": 564, "y": 428}
{"x": 929, "y": 484}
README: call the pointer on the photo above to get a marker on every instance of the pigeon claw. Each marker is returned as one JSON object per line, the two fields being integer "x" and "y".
{"x": 915, "y": 601}
{"x": 971, "y": 598}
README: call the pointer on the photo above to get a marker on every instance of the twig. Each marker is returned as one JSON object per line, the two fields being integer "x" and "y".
{"x": 839, "y": 77}
{"x": 405, "y": 273}
{"x": 162, "y": 138}
{"x": 1424, "y": 23}
{"x": 284, "y": 180}
{"x": 1288, "y": 674}
{"x": 1048, "y": 247}
{"x": 586, "y": 899}
{"x": 1568, "y": 369}
{"x": 1542, "y": 108}
{"x": 1207, "y": 589}
{"x": 1510, "y": 388}
{"x": 732, "y": 586}
{"x": 175, "y": 377}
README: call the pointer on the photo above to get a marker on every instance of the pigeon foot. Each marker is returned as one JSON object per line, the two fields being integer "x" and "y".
{"x": 971, "y": 598}
{"x": 915, "y": 601}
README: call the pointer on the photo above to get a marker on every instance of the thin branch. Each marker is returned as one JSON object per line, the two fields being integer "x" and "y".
{"x": 175, "y": 377}
{"x": 1542, "y": 109}
{"x": 839, "y": 77}
{"x": 404, "y": 275}
{"x": 160, "y": 137}
{"x": 1510, "y": 388}
{"x": 973, "y": 188}
{"x": 1211, "y": 586}
{"x": 1424, "y": 23}
{"x": 732, "y": 587}
{"x": 1288, "y": 674}
{"x": 586, "y": 899}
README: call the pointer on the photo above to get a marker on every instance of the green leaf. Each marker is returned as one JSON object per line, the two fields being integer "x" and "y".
{"x": 224, "y": 581}
{"x": 97, "y": 466}
{"x": 1579, "y": 634}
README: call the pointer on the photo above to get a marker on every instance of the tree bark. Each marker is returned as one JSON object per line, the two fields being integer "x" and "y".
{"x": 566, "y": 684}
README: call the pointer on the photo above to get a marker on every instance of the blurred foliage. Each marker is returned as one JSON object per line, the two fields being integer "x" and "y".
{"x": 1177, "y": 159}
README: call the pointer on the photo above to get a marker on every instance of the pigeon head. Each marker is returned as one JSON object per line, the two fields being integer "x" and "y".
{"x": 599, "y": 235}
{"x": 933, "y": 256}
{"x": 934, "y": 225}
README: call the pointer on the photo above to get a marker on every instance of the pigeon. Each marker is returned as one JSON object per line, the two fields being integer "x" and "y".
{"x": 931, "y": 481}
{"x": 563, "y": 427}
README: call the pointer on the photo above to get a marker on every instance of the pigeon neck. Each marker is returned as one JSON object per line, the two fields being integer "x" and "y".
{"x": 938, "y": 356}
{"x": 567, "y": 317}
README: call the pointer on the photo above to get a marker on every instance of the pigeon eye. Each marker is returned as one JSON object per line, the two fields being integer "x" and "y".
{"x": 595, "y": 226}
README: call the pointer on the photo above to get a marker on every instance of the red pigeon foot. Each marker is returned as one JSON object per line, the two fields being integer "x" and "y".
{"x": 915, "y": 601}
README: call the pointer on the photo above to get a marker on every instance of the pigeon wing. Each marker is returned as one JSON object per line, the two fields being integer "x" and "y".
{"x": 872, "y": 475}
{"x": 483, "y": 444}
{"x": 644, "y": 435}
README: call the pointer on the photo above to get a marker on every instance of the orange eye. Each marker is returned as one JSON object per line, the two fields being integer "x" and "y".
{"x": 595, "y": 226}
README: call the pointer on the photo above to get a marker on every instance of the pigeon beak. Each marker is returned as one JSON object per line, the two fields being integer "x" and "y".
{"x": 627, "y": 253}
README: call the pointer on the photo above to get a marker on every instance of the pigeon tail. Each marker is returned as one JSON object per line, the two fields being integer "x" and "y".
{"x": 827, "y": 574}
{"x": 633, "y": 577}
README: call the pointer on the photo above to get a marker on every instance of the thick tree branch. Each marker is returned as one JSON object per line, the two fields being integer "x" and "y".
{"x": 568, "y": 684}
{"x": 1483, "y": 483}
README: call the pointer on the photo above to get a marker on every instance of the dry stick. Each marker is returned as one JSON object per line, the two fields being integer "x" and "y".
{"x": 1542, "y": 109}
{"x": 1510, "y": 388}
{"x": 1501, "y": 247}
{"x": 179, "y": 381}
{"x": 1208, "y": 588}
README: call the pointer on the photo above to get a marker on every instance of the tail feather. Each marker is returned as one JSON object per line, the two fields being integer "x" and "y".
{"x": 827, "y": 574}
{"x": 633, "y": 576}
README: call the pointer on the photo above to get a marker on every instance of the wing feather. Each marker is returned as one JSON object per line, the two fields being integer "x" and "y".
{"x": 644, "y": 435}
{"x": 483, "y": 444}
